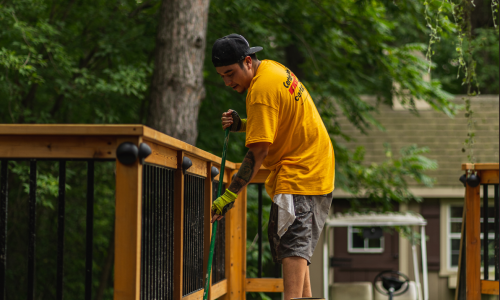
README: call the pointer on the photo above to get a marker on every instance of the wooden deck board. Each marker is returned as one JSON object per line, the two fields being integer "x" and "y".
{"x": 264, "y": 285}
{"x": 489, "y": 287}
{"x": 219, "y": 289}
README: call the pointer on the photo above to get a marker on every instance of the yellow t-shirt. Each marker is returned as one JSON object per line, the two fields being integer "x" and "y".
{"x": 281, "y": 111}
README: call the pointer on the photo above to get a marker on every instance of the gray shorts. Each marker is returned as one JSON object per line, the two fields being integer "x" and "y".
{"x": 302, "y": 236}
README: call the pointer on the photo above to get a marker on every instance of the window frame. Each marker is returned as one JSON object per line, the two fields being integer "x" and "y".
{"x": 365, "y": 249}
{"x": 446, "y": 269}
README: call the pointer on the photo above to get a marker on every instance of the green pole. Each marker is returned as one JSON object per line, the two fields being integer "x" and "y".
{"x": 214, "y": 227}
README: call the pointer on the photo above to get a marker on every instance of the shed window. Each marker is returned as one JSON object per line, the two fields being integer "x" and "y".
{"x": 358, "y": 244}
{"x": 454, "y": 234}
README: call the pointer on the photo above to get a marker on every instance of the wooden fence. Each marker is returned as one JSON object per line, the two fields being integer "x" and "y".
{"x": 165, "y": 178}
{"x": 470, "y": 286}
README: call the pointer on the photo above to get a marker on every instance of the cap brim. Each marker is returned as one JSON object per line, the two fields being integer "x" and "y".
{"x": 253, "y": 50}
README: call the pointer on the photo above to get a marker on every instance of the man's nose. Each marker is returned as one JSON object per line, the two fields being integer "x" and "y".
{"x": 227, "y": 81}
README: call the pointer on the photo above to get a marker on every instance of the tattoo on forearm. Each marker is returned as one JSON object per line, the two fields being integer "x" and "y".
{"x": 245, "y": 173}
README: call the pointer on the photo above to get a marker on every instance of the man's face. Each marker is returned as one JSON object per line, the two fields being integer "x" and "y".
{"x": 237, "y": 78}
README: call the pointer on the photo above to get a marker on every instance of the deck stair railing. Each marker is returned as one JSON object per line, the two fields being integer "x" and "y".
{"x": 163, "y": 189}
{"x": 477, "y": 249}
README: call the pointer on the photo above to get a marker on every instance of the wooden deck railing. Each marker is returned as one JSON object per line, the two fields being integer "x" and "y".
{"x": 137, "y": 190}
{"x": 470, "y": 286}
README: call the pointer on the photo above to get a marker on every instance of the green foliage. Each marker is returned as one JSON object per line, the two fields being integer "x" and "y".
{"x": 384, "y": 183}
{"x": 78, "y": 62}
{"x": 469, "y": 35}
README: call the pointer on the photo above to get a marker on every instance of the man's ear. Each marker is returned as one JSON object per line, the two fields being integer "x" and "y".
{"x": 248, "y": 62}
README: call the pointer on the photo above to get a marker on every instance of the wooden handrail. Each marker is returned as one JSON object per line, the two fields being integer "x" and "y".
{"x": 71, "y": 129}
{"x": 46, "y": 141}
{"x": 480, "y": 167}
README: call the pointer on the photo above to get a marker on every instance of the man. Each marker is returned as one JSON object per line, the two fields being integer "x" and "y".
{"x": 285, "y": 133}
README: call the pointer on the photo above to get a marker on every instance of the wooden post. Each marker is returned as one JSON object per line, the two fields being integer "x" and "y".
{"x": 178, "y": 227}
{"x": 473, "y": 243}
{"x": 128, "y": 228}
{"x": 243, "y": 216}
{"x": 236, "y": 247}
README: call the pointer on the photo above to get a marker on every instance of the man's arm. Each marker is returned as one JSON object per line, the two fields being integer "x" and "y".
{"x": 249, "y": 168}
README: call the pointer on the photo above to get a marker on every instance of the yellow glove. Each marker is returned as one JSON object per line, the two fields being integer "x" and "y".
{"x": 224, "y": 203}
{"x": 243, "y": 125}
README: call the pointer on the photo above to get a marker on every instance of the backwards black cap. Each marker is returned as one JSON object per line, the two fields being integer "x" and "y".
{"x": 231, "y": 49}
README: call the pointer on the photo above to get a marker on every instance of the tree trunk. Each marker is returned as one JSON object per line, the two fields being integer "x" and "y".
{"x": 177, "y": 85}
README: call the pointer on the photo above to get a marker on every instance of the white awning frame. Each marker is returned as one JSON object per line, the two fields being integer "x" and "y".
{"x": 373, "y": 219}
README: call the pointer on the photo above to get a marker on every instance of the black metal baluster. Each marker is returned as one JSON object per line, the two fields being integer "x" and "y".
{"x": 160, "y": 228}
{"x": 152, "y": 232}
{"x": 171, "y": 233}
{"x": 90, "y": 230}
{"x": 60, "y": 229}
{"x": 215, "y": 262}
{"x": 223, "y": 268}
{"x": 167, "y": 229}
{"x": 156, "y": 231}
{"x": 161, "y": 241}
{"x": 497, "y": 235}
{"x": 3, "y": 225}
{"x": 149, "y": 231}
{"x": 192, "y": 237}
{"x": 199, "y": 231}
{"x": 196, "y": 234}
{"x": 202, "y": 229}
{"x": 143, "y": 232}
{"x": 193, "y": 234}
{"x": 222, "y": 263}
{"x": 259, "y": 232}
{"x": 31, "y": 231}
{"x": 185, "y": 233}
{"x": 149, "y": 200}
{"x": 485, "y": 232}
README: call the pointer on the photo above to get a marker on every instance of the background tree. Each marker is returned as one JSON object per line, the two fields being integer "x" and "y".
{"x": 177, "y": 86}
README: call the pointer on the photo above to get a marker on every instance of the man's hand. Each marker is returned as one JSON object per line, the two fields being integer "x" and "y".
{"x": 227, "y": 119}
{"x": 232, "y": 120}
{"x": 216, "y": 217}
{"x": 222, "y": 204}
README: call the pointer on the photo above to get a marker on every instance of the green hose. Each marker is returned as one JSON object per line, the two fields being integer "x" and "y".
{"x": 214, "y": 227}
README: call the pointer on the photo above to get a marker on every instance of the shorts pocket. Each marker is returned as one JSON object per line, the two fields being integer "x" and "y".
{"x": 302, "y": 204}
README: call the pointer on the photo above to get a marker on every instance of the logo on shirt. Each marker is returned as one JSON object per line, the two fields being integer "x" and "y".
{"x": 291, "y": 84}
